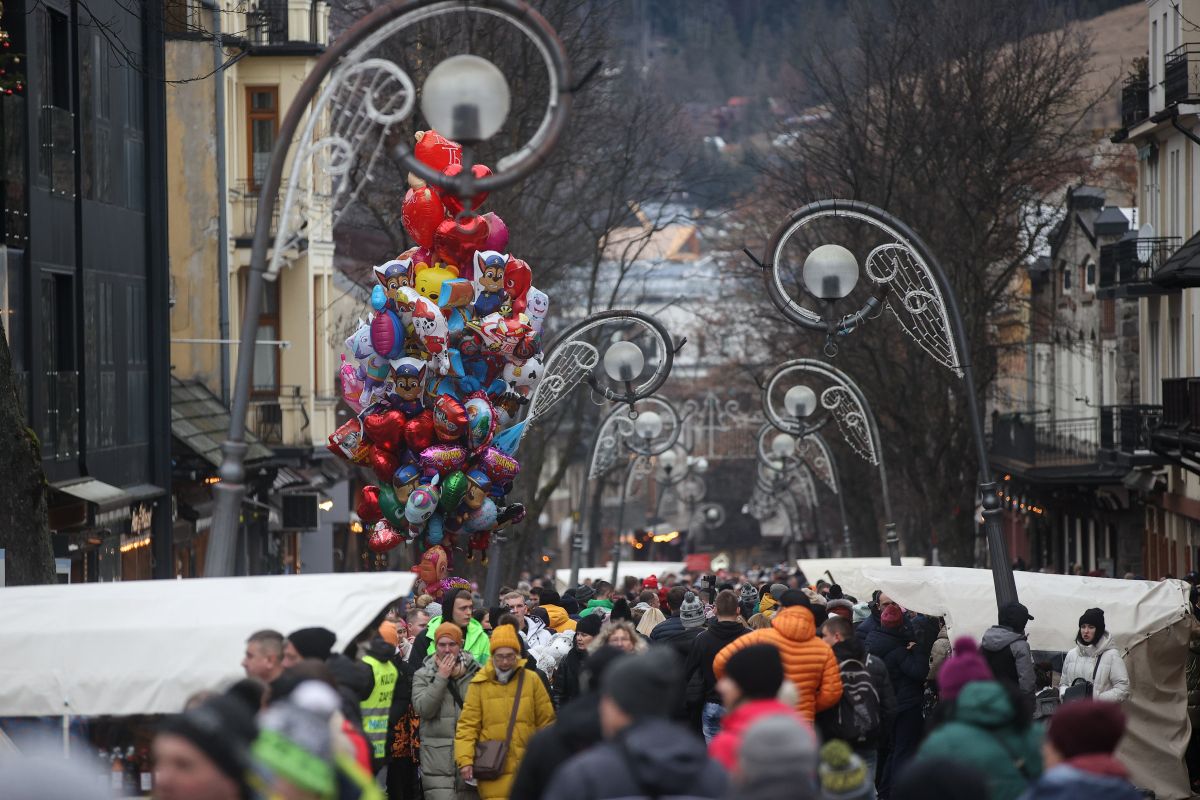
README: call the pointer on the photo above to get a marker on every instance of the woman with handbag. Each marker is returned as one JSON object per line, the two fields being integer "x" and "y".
{"x": 505, "y": 705}
{"x": 1094, "y": 667}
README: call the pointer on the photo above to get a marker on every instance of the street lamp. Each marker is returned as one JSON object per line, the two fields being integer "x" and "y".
{"x": 331, "y": 145}
{"x": 924, "y": 304}
{"x": 800, "y": 401}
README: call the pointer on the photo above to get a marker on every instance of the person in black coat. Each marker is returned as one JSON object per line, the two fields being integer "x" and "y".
{"x": 576, "y": 729}
{"x": 569, "y": 671}
{"x": 403, "y": 750}
{"x": 879, "y": 601}
{"x": 702, "y": 691}
{"x": 904, "y": 647}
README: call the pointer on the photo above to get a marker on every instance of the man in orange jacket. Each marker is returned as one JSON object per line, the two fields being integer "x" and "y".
{"x": 808, "y": 662}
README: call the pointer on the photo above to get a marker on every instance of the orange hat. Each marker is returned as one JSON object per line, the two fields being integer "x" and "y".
{"x": 448, "y": 629}
{"x": 388, "y": 631}
{"x": 505, "y": 636}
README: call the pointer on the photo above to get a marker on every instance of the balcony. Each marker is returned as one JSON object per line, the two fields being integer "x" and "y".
{"x": 1177, "y": 437}
{"x": 244, "y": 212}
{"x": 1045, "y": 443}
{"x": 1125, "y": 434}
{"x": 1181, "y": 75}
{"x": 1135, "y": 100}
{"x": 279, "y": 417}
{"x": 280, "y": 25}
{"x": 1128, "y": 267}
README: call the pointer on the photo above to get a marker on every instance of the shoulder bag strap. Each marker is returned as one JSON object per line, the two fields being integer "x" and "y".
{"x": 1019, "y": 762}
{"x": 512, "y": 720}
{"x": 1096, "y": 669}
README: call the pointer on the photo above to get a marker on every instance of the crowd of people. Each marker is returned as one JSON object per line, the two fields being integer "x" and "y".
{"x": 659, "y": 688}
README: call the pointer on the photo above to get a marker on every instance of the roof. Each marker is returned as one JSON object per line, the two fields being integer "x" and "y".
{"x": 1111, "y": 222}
{"x": 1182, "y": 269}
{"x": 201, "y": 422}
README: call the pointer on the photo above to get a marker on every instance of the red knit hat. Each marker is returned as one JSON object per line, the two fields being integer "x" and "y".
{"x": 958, "y": 670}
{"x": 650, "y": 583}
{"x": 1086, "y": 726}
{"x": 892, "y": 616}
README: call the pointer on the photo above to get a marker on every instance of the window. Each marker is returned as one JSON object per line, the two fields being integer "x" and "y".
{"x": 1066, "y": 279}
{"x": 1152, "y": 393}
{"x": 60, "y": 432}
{"x": 266, "y": 356}
{"x": 262, "y": 126}
{"x": 1089, "y": 276}
{"x": 1174, "y": 351}
{"x": 1176, "y": 196}
{"x": 1154, "y": 67}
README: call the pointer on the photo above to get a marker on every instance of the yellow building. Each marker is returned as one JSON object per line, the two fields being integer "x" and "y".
{"x": 233, "y": 71}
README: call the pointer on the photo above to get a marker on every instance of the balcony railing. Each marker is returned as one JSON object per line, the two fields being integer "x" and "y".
{"x": 244, "y": 199}
{"x": 1126, "y": 429}
{"x": 1181, "y": 403}
{"x": 1134, "y": 260}
{"x": 1046, "y": 443}
{"x": 281, "y": 418}
{"x": 1135, "y": 101}
{"x": 1181, "y": 74}
{"x": 60, "y": 428}
{"x": 267, "y": 24}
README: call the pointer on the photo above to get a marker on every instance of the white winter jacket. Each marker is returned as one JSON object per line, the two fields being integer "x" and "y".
{"x": 536, "y": 634}
{"x": 1112, "y": 681}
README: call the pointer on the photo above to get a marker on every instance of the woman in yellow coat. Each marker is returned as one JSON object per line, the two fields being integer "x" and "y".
{"x": 488, "y": 707}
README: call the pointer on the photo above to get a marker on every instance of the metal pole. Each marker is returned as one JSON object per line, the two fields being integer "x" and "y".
{"x": 577, "y": 532}
{"x": 837, "y": 480}
{"x": 491, "y": 584}
{"x": 621, "y": 519}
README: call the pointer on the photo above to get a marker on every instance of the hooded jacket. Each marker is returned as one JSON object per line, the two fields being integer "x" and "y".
{"x": 559, "y": 619}
{"x": 485, "y": 714}
{"x": 1112, "y": 679}
{"x": 592, "y": 605}
{"x": 700, "y": 659}
{"x": 852, "y": 649}
{"x": 1007, "y": 654}
{"x": 536, "y": 634}
{"x": 808, "y": 662}
{"x": 650, "y": 758}
{"x": 907, "y": 667}
{"x": 981, "y": 731}
{"x": 867, "y": 626}
{"x": 566, "y": 677}
{"x": 1095, "y": 776}
{"x": 938, "y": 653}
{"x": 436, "y": 705}
{"x": 475, "y": 641}
{"x": 726, "y": 745}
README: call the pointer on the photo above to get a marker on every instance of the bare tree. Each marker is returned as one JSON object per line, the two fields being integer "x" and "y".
{"x": 959, "y": 116}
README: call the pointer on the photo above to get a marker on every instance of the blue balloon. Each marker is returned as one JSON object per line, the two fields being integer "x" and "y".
{"x": 435, "y": 530}
{"x": 378, "y": 298}
{"x": 508, "y": 439}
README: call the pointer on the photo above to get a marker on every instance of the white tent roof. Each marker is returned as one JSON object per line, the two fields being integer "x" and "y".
{"x": 847, "y": 572}
{"x": 143, "y": 647}
{"x": 638, "y": 569}
{"x": 1149, "y": 622}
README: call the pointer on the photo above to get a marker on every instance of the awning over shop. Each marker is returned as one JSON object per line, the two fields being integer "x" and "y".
{"x": 1182, "y": 269}
{"x": 143, "y": 647}
{"x": 201, "y": 423}
{"x": 106, "y": 497}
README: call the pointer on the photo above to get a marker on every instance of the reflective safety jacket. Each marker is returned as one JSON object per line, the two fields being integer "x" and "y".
{"x": 376, "y": 707}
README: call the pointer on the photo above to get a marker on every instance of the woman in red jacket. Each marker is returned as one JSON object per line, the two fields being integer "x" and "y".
{"x": 752, "y": 678}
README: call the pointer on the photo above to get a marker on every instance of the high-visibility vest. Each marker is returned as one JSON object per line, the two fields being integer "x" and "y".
{"x": 375, "y": 708}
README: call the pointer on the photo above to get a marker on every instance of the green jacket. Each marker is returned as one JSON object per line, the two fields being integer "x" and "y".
{"x": 439, "y": 710}
{"x": 981, "y": 732}
{"x": 594, "y": 604}
{"x": 477, "y": 642}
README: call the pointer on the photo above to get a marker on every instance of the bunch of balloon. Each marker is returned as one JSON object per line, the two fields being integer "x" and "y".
{"x": 444, "y": 362}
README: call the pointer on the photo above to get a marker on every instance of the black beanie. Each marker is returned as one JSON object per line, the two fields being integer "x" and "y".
{"x": 548, "y": 597}
{"x": 757, "y": 670}
{"x": 646, "y": 684}
{"x": 1093, "y": 616}
{"x": 220, "y": 727}
{"x": 620, "y": 610}
{"x": 589, "y": 624}
{"x": 794, "y": 597}
{"x": 313, "y": 642}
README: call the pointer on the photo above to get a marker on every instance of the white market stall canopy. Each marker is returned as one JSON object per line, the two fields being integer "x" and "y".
{"x": 638, "y": 569}
{"x": 847, "y": 572}
{"x": 1149, "y": 622}
{"x": 143, "y": 647}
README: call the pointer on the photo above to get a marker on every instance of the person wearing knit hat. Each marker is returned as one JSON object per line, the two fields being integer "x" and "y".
{"x": 651, "y": 583}
{"x": 691, "y": 611}
{"x": 389, "y": 632}
{"x": 438, "y": 689}
{"x": 295, "y": 747}
{"x": 504, "y": 683}
{"x": 569, "y": 671}
{"x": 552, "y": 604}
{"x": 1006, "y": 649}
{"x": 308, "y": 643}
{"x": 644, "y": 754}
{"x": 892, "y": 617}
{"x": 843, "y": 774}
{"x": 205, "y": 750}
{"x": 777, "y": 590}
{"x": 862, "y": 612}
{"x": 747, "y": 600}
{"x": 964, "y": 665}
{"x": 448, "y": 630}
{"x": 1095, "y": 660}
{"x": 748, "y": 688}
{"x": 778, "y": 760}
{"x": 1079, "y": 754}
{"x": 843, "y": 608}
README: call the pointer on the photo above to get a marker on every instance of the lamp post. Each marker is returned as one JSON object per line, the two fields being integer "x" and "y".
{"x": 647, "y": 428}
{"x": 843, "y": 403}
{"x": 924, "y": 304}
{"x": 792, "y": 452}
{"x": 690, "y": 478}
{"x": 383, "y": 97}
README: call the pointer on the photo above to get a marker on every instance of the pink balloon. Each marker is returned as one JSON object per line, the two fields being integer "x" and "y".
{"x": 497, "y": 238}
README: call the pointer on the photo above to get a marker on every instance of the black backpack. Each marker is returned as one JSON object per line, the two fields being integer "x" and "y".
{"x": 857, "y": 716}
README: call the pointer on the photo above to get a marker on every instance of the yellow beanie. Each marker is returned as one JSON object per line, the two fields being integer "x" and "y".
{"x": 505, "y": 636}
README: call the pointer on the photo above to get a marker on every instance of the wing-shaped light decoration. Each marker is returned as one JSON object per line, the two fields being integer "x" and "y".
{"x": 852, "y": 421}
{"x": 607, "y": 450}
{"x": 915, "y": 301}
{"x": 565, "y": 367}
{"x": 815, "y": 453}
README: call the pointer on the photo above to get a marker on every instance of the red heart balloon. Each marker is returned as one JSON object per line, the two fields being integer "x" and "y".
{"x": 383, "y": 464}
{"x": 436, "y": 150}
{"x": 383, "y": 538}
{"x": 451, "y": 201}
{"x": 385, "y": 429}
{"x": 517, "y": 280}
{"x": 456, "y": 243}
{"x": 418, "y": 431}
{"x": 420, "y": 214}
{"x": 367, "y": 506}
